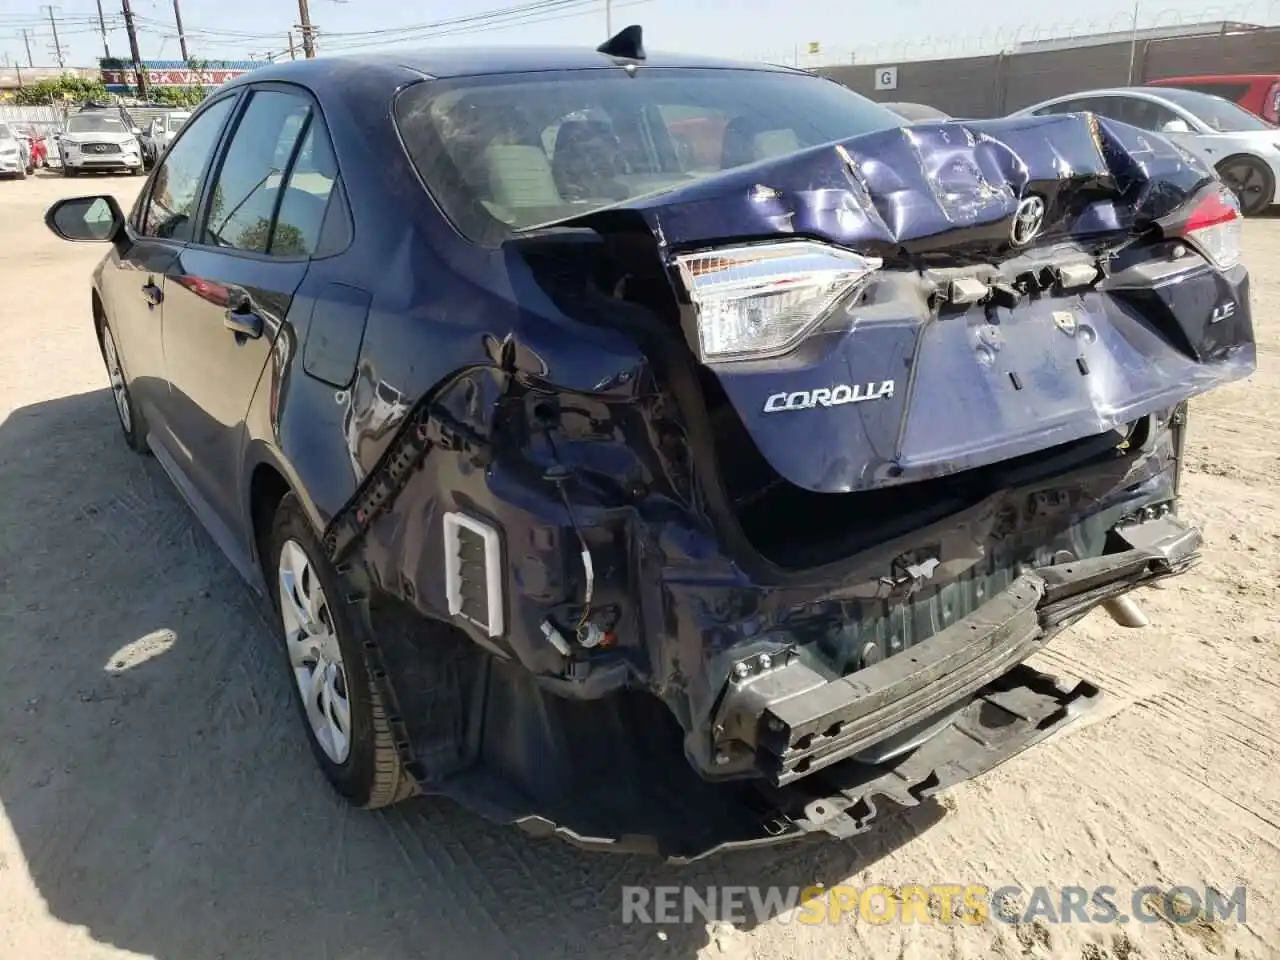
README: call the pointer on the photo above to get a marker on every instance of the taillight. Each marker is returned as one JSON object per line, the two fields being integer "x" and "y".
{"x": 1215, "y": 225}
{"x": 759, "y": 301}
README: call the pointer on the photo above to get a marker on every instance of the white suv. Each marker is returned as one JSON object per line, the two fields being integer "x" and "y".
{"x": 100, "y": 138}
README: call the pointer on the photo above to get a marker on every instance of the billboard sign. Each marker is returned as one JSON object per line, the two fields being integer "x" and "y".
{"x": 118, "y": 75}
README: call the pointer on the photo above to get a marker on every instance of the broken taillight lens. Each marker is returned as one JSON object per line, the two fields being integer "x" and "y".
{"x": 760, "y": 300}
{"x": 1215, "y": 225}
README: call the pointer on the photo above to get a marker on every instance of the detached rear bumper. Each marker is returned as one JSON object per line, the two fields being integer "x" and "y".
{"x": 995, "y": 723}
{"x": 796, "y": 722}
{"x": 825, "y": 755}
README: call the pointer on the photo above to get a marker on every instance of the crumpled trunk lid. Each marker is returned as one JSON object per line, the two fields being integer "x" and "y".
{"x": 914, "y": 386}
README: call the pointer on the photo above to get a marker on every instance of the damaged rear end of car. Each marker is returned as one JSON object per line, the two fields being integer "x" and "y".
{"x": 757, "y": 532}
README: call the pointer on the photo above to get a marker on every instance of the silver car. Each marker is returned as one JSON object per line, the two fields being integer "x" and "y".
{"x": 1243, "y": 147}
{"x": 14, "y": 160}
{"x": 164, "y": 128}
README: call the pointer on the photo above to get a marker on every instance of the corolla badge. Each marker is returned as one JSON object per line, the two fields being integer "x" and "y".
{"x": 1027, "y": 220}
{"x": 836, "y": 396}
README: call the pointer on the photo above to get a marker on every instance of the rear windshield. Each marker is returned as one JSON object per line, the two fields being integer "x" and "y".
{"x": 1216, "y": 113}
{"x": 507, "y": 153}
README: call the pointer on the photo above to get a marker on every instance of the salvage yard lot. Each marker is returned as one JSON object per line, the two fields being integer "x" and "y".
{"x": 157, "y": 798}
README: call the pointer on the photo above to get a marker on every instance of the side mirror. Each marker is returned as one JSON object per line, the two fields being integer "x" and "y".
{"x": 1176, "y": 125}
{"x": 86, "y": 219}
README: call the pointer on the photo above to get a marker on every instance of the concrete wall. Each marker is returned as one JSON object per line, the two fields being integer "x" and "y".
{"x": 992, "y": 86}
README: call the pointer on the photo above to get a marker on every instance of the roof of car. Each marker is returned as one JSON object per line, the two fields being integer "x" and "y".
{"x": 1144, "y": 93}
{"x": 446, "y": 62}
{"x": 1215, "y": 77}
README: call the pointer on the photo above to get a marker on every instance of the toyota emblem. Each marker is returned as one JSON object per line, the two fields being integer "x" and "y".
{"x": 1027, "y": 220}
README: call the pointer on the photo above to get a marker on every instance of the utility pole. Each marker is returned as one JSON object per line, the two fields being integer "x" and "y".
{"x": 608, "y": 18}
{"x": 57, "y": 47}
{"x": 133, "y": 49}
{"x": 26, "y": 38}
{"x": 308, "y": 40}
{"x": 182, "y": 37}
{"x": 293, "y": 54}
{"x": 1133, "y": 41}
{"x": 102, "y": 25}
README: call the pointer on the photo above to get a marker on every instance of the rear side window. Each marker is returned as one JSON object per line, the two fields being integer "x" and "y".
{"x": 508, "y": 153}
{"x": 303, "y": 204}
{"x": 271, "y": 192}
{"x": 1225, "y": 89}
{"x": 247, "y": 186}
{"x": 176, "y": 185}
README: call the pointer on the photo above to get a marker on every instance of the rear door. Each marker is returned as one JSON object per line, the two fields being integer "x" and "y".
{"x": 232, "y": 286}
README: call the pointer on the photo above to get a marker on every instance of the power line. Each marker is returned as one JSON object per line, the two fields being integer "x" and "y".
{"x": 26, "y": 38}
{"x": 560, "y": 11}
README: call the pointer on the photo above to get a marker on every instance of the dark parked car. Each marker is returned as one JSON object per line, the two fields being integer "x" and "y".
{"x": 661, "y": 498}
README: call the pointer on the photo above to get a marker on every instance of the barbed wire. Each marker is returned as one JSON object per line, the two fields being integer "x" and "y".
{"x": 1020, "y": 38}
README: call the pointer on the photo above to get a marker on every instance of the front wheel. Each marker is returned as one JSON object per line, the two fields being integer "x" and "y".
{"x": 132, "y": 423}
{"x": 322, "y": 632}
{"x": 1250, "y": 180}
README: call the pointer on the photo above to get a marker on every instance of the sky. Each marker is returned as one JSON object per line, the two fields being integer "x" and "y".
{"x": 776, "y": 30}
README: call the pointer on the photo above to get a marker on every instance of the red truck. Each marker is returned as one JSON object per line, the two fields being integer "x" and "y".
{"x": 1257, "y": 92}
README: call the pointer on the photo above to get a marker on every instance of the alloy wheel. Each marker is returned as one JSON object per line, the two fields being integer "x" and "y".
{"x": 1248, "y": 181}
{"x": 314, "y": 653}
{"x": 119, "y": 389}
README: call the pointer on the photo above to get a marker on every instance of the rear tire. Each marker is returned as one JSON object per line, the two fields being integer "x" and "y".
{"x": 322, "y": 631}
{"x": 1250, "y": 180}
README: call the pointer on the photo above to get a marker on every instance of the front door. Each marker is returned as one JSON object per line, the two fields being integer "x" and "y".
{"x": 228, "y": 292}
{"x": 133, "y": 279}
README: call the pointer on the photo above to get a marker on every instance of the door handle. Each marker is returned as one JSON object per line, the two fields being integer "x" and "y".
{"x": 243, "y": 322}
{"x": 152, "y": 294}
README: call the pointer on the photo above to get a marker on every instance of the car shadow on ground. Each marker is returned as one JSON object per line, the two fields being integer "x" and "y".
{"x": 154, "y": 772}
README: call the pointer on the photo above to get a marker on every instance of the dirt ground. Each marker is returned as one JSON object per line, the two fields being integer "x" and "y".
{"x": 157, "y": 798}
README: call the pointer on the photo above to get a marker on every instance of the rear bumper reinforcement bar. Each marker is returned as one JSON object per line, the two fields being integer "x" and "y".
{"x": 799, "y": 722}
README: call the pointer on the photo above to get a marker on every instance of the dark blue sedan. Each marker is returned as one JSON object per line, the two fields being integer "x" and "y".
{"x": 660, "y": 452}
